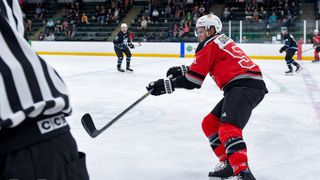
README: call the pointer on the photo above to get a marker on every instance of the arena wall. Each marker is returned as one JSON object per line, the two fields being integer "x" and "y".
{"x": 255, "y": 51}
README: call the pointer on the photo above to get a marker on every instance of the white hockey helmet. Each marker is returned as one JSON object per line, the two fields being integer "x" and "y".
{"x": 124, "y": 27}
{"x": 315, "y": 32}
{"x": 209, "y": 20}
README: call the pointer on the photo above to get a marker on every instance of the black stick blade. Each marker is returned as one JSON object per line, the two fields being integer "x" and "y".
{"x": 88, "y": 125}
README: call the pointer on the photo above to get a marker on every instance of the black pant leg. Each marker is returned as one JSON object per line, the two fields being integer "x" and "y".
{"x": 127, "y": 52}
{"x": 119, "y": 53}
{"x": 218, "y": 109}
{"x": 239, "y": 103}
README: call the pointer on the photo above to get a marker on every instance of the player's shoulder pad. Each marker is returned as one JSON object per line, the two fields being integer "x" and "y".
{"x": 204, "y": 43}
{"x": 222, "y": 40}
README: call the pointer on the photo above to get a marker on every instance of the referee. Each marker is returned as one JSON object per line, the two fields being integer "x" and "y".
{"x": 35, "y": 139}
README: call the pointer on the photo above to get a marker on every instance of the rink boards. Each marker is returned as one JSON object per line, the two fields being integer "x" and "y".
{"x": 171, "y": 50}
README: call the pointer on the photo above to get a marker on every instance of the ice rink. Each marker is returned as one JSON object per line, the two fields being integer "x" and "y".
{"x": 162, "y": 139}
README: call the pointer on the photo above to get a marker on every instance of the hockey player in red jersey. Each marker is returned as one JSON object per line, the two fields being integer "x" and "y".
{"x": 242, "y": 82}
{"x": 316, "y": 45}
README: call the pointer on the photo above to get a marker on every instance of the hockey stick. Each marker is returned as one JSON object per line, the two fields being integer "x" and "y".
{"x": 89, "y": 126}
{"x": 139, "y": 44}
{"x": 307, "y": 50}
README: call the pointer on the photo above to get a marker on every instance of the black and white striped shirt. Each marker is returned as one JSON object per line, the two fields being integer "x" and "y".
{"x": 29, "y": 87}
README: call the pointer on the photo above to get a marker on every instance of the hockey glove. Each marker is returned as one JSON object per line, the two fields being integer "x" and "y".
{"x": 176, "y": 71}
{"x": 131, "y": 46}
{"x": 281, "y": 50}
{"x": 161, "y": 86}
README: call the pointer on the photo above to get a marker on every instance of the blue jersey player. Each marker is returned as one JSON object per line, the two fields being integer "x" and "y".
{"x": 290, "y": 47}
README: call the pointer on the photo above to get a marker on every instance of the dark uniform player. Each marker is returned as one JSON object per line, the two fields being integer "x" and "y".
{"x": 290, "y": 47}
{"x": 35, "y": 138}
{"x": 316, "y": 45}
{"x": 121, "y": 43}
{"x": 240, "y": 79}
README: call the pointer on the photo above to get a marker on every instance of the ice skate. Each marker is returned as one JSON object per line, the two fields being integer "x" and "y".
{"x": 221, "y": 171}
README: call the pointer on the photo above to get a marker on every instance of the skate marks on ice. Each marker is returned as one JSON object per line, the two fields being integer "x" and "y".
{"x": 313, "y": 89}
{"x": 113, "y": 69}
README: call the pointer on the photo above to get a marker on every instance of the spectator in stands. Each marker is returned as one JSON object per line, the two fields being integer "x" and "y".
{"x": 226, "y": 14}
{"x": 50, "y": 26}
{"x": 65, "y": 25}
{"x": 144, "y": 24}
{"x": 263, "y": 14}
{"x": 248, "y": 13}
{"x": 50, "y": 37}
{"x": 39, "y": 11}
{"x": 178, "y": 13}
{"x": 84, "y": 19}
{"x": 267, "y": 38}
{"x": 186, "y": 30}
{"x": 195, "y": 18}
{"x": 188, "y": 19}
{"x": 189, "y": 3}
{"x": 202, "y": 10}
{"x": 28, "y": 25}
{"x": 244, "y": 39}
{"x": 175, "y": 31}
{"x": 77, "y": 18}
{"x": 255, "y": 15}
{"x": 101, "y": 15}
{"x": 273, "y": 18}
{"x": 113, "y": 4}
{"x": 117, "y": 15}
{"x": 97, "y": 11}
{"x": 155, "y": 15}
{"x": 167, "y": 11}
{"x": 71, "y": 31}
{"x": 59, "y": 27}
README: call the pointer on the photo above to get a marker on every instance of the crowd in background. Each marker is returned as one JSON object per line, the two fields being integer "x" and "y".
{"x": 187, "y": 11}
{"x": 74, "y": 15}
{"x": 273, "y": 12}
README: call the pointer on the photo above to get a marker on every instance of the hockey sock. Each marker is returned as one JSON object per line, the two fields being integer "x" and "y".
{"x": 289, "y": 66}
{"x": 316, "y": 55}
{"x": 231, "y": 137}
{"x": 210, "y": 127}
{"x": 119, "y": 62}
{"x": 295, "y": 63}
{"x": 128, "y": 61}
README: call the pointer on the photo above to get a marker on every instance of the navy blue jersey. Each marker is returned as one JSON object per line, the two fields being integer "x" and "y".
{"x": 121, "y": 40}
{"x": 289, "y": 43}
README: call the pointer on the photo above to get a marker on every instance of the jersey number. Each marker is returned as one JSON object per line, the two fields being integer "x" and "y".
{"x": 244, "y": 61}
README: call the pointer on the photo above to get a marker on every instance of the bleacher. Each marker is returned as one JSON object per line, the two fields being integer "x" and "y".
{"x": 29, "y": 11}
{"x": 94, "y": 31}
{"x": 255, "y": 30}
{"x": 161, "y": 30}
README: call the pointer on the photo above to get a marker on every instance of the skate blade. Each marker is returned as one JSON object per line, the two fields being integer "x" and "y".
{"x": 299, "y": 70}
{"x": 228, "y": 178}
{"x": 289, "y": 74}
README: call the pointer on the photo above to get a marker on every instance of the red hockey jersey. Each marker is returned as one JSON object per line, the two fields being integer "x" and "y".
{"x": 224, "y": 60}
{"x": 316, "y": 40}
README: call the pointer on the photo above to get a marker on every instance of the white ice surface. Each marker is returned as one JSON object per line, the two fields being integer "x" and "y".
{"x": 162, "y": 139}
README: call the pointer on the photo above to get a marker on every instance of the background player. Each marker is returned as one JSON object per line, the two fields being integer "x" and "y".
{"x": 290, "y": 47}
{"x": 243, "y": 86}
{"x": 316, "y": 45}
{"x": 121, "y": 43}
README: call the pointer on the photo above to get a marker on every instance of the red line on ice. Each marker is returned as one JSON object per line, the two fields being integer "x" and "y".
{"x": 314, "y": 90}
